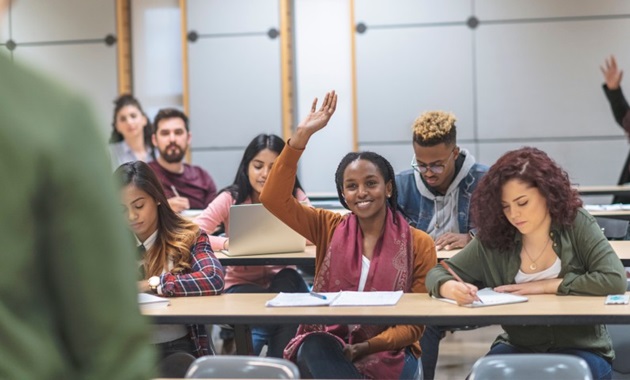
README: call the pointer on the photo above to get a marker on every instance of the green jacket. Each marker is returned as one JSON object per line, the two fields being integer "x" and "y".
{"x": 68, "y": 299}
{"x": 589, "y": 267}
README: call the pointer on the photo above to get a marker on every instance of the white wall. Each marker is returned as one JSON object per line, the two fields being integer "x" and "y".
{"x": 74, "y": 52}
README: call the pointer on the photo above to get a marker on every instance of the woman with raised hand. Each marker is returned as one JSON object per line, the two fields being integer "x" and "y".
{"x": 534, "y": 237}
{"x": 251, "y": 176}
{"x": 370, "y": 249}
{"x": 176, "y": 258}
{"x": 130, "y": 139}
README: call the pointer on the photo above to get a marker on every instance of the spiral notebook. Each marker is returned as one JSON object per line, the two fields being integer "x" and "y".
{"x": 490, "y": 298}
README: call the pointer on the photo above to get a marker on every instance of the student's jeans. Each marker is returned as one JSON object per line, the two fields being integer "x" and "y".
{"x": 276, "y": 337}
{"x": 600, "y": 367}
{"x": 320, "y": 356}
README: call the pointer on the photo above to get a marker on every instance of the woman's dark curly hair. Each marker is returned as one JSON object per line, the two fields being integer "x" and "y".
{"x": 534, "y": 167}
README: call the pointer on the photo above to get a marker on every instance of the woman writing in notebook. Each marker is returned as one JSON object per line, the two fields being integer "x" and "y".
{"x": 251, "y": 176}
{"x": 372, "y": 248}
{"x": 175, "y": 255}
{"x": 131, "y": 132}
{"x": 534, "y": 238}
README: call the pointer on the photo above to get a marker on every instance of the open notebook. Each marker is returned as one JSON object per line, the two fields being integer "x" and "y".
{"x": 490, "y": 298}
{"x": 347, "y": 298}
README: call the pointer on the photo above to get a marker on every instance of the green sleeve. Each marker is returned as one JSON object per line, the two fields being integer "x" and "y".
{"x": 467, "y": 263}
{"x": 602, "y": 271}
{"x": 88, "y": 256}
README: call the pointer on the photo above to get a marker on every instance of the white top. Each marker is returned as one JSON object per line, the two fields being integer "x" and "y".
{"x": 552, "y": 272}
{"x": 365, "y": 268}
{"x": 162, "y": 333}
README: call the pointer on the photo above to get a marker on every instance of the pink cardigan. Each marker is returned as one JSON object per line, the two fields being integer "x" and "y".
{"x": 213, "y": 216}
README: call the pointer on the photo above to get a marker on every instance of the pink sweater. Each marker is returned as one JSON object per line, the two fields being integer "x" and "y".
{"x": 213, "y": 216}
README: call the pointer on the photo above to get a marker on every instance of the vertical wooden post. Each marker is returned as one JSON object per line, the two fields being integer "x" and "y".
{"x": 286, "y": 67}
{"x": 353, "y": 67}
{"x": 123, "y": 31}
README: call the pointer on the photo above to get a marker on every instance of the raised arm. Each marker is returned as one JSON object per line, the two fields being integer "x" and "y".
{"x": 314, "y": 121}
{"x": 612, "y": 89}
{"x": 277, "y": 195}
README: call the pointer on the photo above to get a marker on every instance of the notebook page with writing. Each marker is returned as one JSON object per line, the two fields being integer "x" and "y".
{"x": 348, "y": 298}
{"x": 490, "y": 298}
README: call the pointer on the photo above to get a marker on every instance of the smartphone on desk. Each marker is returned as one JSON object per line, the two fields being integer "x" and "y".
{"x": 617, "y": 299}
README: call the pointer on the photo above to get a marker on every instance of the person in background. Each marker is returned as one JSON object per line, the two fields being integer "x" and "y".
{"x": 175, "y": 256}
{"x": 186, "y": 186}
{"x": 620, "y": 108}
{"x": 69, "y": 302}
{"x": 251, "y": 177}
{"x": 435, "y": 195}
{"x": 535, "y": 238}
{"x": 130, "y": 139}
{"x": 370, "y": 249}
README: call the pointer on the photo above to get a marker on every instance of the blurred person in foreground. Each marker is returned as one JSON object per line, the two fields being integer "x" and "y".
{"x": 69, "y": 301}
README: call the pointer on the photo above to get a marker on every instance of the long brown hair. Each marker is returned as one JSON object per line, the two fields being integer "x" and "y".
{"x": 175, "y": 235}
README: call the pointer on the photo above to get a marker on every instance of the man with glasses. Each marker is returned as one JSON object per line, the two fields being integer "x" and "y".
{"x": 435, "y": 196}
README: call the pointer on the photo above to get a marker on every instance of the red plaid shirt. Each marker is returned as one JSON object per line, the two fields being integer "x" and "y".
{"x": 205, "y": 278}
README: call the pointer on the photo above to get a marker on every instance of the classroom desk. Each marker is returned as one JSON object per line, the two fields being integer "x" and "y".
{"x": 413, "y": 308}
{"x": 293, "y": 258}
{"x": 621, "y": 247}
{"x": 244, "y": 310}
{"x": 604, "y": 190}
{"x": 617, "y": 214}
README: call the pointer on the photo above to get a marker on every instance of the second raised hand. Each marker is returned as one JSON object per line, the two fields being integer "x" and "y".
{"x": 315, "y": 120}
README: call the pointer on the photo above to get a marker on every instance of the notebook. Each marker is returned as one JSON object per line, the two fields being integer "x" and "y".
{"x": 149, "y": 301}
{"x": 255, "y": 231}
{"x": 345, "y": 298}
{"x": 490, "y": 298}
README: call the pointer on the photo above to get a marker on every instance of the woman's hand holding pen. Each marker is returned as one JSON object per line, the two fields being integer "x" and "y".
{"x": 315, "y": 120}
{"x": 462, "y": 292}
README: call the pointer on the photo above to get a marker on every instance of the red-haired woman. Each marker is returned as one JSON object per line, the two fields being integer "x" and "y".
{"x": 534, "y": 238}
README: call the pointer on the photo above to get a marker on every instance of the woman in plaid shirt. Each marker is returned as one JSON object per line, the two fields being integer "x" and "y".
{"x": 176, "y": 258}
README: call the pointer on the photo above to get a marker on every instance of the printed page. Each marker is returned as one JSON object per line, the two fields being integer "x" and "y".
{"x": 301, "y": 299}
{"x": 348, "y": 298}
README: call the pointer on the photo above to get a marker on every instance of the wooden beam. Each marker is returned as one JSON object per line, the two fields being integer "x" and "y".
{"x": 287, "y": 67}
{"x": 123, "y": 31}
{"x": 353, "y": 68}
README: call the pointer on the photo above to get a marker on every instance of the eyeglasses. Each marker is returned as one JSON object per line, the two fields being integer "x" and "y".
{"x": 436, "y": 169}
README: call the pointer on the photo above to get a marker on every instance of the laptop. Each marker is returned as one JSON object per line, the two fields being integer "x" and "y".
{"x": 255, "y": 231}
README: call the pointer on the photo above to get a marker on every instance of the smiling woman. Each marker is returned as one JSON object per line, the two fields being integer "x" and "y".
{"x": 533, "y": 237}
{"x": 372, "y": 248}
{"x": 131, "y": 132}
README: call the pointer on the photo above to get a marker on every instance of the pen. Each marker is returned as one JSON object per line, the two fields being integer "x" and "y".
{"x": 318, "y": 295}
{"x": 174, "y": 191}
{"x": 459, "y": 279}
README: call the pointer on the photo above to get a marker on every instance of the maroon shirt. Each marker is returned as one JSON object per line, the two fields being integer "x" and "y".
{"x": 194, "y": 183}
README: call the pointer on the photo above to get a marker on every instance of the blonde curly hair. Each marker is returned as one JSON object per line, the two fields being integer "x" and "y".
{"x": 434, "y": 127}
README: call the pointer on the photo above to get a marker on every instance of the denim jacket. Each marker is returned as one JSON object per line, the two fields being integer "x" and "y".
{"x": 419, "y": 209}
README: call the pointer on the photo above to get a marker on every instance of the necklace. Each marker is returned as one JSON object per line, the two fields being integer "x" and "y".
{"x": 533, "y": 265}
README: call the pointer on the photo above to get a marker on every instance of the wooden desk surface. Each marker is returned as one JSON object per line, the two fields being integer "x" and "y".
{"x": 621, "y": 247}
{"x": 416, "y": 308}
{"x": 604, "y": 190}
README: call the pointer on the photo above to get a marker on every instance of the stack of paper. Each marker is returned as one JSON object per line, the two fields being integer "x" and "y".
{"x": 149, "y": 301}
{"x": 347, "y": 298}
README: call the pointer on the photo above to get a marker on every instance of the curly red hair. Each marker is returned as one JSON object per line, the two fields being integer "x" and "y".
{"x": 532, "y": 166}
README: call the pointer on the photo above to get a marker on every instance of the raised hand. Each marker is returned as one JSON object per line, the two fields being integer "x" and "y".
{"x": 315, "y": 120}
{"x": 612, "y": 74}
